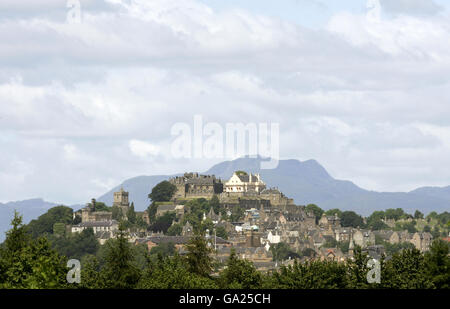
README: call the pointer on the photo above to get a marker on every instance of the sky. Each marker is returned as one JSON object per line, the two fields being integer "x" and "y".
{"x": 360, "y": 86}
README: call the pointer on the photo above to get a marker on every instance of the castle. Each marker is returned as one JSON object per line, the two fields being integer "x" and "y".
{"x": 193, "y": 185}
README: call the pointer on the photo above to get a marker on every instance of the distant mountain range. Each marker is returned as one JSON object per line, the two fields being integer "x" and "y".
{"x": 306, "y": 182}
{"x": 29, "y": 209}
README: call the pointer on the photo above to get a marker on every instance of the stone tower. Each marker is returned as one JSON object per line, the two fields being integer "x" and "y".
{"x": 121, "y": 201}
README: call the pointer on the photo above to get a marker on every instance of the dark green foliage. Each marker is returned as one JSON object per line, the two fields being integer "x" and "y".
{"x": 237, "y": 213}
{"x": 44, "y": 224}
{"x": 198, "y": 256}
{"x": 316, "y": 210}
{"x": 351, "y": 219}
{"x": 418, "y": 215}
{"x": 310, "y": 275}
{"x": 239, "y": 274}
{"x": 375, "y": 221}
{"x": 395, "y": 214}
{"x": 221, "y": 232}
{"x": 357, "y": 270}
{"x": 30, "y": 263}
{"x": 76, "y": 220}
{"x": 59, "y": 229}
{"x": 282, "y": 251}
{"x": 163, "y": 222}
{"x": 77, "y": 245}
{"x": 91, "y": 278}
{"x": 333, "y": 212}
{"x": 163, "y": 249}
{"x": 215, "y": 204}
{"x": 406, "y": 271}
{"x": 173, "y": 273}
{"x": 308, "y": 252}
{"x": 175, "y": 230}
{"x": 438, "y": 264}
{"x": 131, "y": 214}
{"x": 117, "y": 213}
{"x": 120, "y": 270}
{"x": 391, "y": 249}
{"x": 409, "y": 226}
{"x": 99, "y": 206}
{"x": 162, "y": 192}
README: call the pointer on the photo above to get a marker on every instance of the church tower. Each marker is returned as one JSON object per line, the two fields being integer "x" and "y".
{"x": 121, "y": 201}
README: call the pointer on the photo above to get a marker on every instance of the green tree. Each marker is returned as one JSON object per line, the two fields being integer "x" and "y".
{"x": 351, "y": 219}
{"x": 175, "y": 230}
{"x": 91, "y": 277}
{"x": 215, "y": 204}
{"x": 44, "y": 224}
{"x": 163, "y": 249}
{"x": 59, "y": 229}
{"x": 333, "y": 212}
{"x": 418, "y": 215}
{"x": 131, "y": 214}
{"x": 281, "y": 251}
{"x": 237, "y": 213}
{"x": 438, "y": 264}
{"x": 316, "y": 210}
{"x": 162, "y": 192}
{"x": 239, "y": 274}
{"x": 198, "y": 256}
{"x": 173, "y": 273}
{"x": 163, "y": 222}
{"x": 117, "y": 213}
{"x": 120, "y": 271}
{"x": 310, "y": 275}
{"x": 406, "y": 270}
{"x": 395, "y": 214}
{"x": 221, "y": 232}
{"x": 30, "y": 263}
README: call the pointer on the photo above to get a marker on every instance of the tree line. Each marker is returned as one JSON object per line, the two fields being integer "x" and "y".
{"x": 27, "y": 262}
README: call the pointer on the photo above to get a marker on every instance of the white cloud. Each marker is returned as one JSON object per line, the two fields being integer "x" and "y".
{"x": 366, "y": 99}
{"x": 143, "y": 149}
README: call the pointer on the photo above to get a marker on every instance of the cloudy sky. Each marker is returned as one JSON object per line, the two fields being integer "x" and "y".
{"x": 85, "y": 105}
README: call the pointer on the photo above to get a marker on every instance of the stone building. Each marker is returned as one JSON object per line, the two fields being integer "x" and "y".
{"x": 193, "y": 185}
{"x": 363, "y": 238}
{"x": 422, "y": 241}
{"x": 330, "y": 221}
{"x": 276, "y": 197}
{"x": 98, "y": 226}
{"x": 90, "y": 214}
{"x": 253, "y": 238}
{"x": 121, "y": 201}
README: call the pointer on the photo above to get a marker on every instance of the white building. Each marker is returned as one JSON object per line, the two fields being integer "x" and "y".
{"x": 98, "y": 226}
{"x": 241, "y": 183}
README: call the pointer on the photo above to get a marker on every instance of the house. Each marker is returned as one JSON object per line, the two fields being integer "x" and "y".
{"x": 242, "y": 183}
{"x": 332, "y": 254}
{"x": 179, "y": 241}
{"x": 422, "y": 241}
{"x": 110, "y": 226}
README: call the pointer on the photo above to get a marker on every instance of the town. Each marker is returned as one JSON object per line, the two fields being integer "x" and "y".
{"x": 261, "y": 224}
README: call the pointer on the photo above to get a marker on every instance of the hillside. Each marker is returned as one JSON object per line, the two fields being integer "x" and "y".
{"x": 306, "y": 182}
